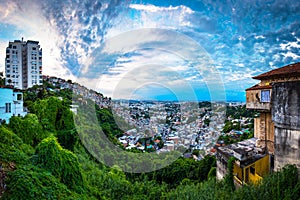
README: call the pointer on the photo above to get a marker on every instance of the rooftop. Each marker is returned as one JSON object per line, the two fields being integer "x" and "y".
{"x": 289, "y": 70}
{"x": 245, "y": 151}
{"x": 259, "y": 87}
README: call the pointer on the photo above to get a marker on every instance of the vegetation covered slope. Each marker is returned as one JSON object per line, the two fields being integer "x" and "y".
{"x": 41, "y": 157}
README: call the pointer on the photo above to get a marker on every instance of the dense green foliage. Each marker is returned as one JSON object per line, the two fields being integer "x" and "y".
{"x": 184, "y": 169}
{"x": 107, "y": 123}
{"x": 229, "y": 176}
{"x": 32, "y": 183}
{"x": 28, "y": 129}
{"x": 12, "y": 147}
{"x": 280, "y": 185}
{"x": 237, "y": 112}
{"x": 43, "y": 159}
{"x": 60, "y": 162}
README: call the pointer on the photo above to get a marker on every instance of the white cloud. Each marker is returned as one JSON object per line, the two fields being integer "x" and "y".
{"x": 289, "y": 45}
{"x": 35, "y": 26}
{"x": 151, "y": 55}
{"x": 292, "y": 55}
{"x": 153, "y": 8}
{"x": 259, "y": 37}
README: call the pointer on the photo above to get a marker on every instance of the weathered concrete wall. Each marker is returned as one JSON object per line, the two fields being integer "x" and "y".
{"x": 286, "y": 116}
{"x": 287, "y": 148}
{"x": 221, "y": 170}
{"x": 286, "y": 104}
{"x": 253, "y": 100}
{"x": 221, "y": 166}
{"x": 264, "y": 131}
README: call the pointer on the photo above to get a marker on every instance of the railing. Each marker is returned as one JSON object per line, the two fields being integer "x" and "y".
{"x": 237, "y": 180}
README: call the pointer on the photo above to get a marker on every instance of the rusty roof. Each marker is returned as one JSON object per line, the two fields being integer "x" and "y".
{"x": 289, "y": 70}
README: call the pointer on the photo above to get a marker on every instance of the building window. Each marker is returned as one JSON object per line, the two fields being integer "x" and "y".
{"x": 8, "y": 107}
{"x": 19, "y": 97}
{"x": 252, "y": 170}
{"x": 265, "y": 96}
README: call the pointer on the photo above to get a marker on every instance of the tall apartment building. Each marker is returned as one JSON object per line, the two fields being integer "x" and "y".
{"x": 23, "y": 64}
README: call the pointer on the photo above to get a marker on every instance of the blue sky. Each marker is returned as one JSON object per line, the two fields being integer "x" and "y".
{"x": 155, "y": 49}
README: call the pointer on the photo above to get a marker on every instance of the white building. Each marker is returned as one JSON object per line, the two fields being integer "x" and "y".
{"x": 23, "y": 64}
{"x": 74, "y": 108}
{"x": 11, "y": 104}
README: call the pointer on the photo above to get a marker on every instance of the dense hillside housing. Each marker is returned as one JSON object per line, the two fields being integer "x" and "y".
{"x": 276, "y": 130}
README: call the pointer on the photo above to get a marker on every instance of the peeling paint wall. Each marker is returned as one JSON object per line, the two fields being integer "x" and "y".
{"x": 286, "y": 116}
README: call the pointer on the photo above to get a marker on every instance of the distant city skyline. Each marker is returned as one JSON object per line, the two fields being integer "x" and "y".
{"x": 192, "y": 50}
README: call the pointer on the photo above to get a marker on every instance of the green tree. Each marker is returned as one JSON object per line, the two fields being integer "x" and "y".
{"x": 33, "y": 183}
{"x": 12, "y": 148}
{"x": 62, "y": 163}
{"x": 28, "y": 129}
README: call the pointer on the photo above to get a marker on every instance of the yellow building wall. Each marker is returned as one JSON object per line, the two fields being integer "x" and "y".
{"x": 238, "y": 172}
{"x": 252, "y": 173}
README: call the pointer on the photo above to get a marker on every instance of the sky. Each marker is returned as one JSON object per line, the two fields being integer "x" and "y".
{"x": 157, "y": 49}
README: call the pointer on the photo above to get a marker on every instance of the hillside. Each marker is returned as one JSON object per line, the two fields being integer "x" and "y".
{"x": 42, "y": 157}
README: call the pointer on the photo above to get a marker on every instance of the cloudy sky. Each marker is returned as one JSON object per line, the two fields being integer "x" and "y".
{"x": 156, "y": 49}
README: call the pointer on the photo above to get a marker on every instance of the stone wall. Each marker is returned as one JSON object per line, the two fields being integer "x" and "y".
{"x": 286, "y": 116}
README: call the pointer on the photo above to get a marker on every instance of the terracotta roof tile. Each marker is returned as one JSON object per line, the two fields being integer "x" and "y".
{"x": 292, "y": 69}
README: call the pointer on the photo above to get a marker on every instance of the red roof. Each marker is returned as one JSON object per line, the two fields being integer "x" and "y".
{"x": 213, "y": 150}
{"x": 292, "y": 69}
{"x": 260, "y": 87}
